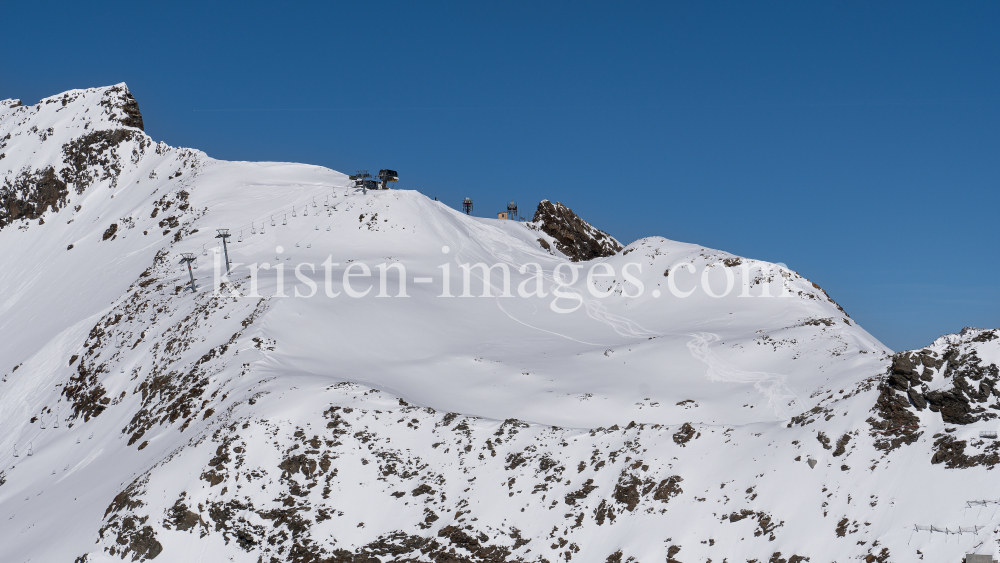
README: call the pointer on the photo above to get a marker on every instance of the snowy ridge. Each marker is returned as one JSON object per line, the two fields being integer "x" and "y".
{"x": 175, "y": 425}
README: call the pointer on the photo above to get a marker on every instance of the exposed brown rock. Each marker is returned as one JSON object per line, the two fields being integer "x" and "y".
{"x": 574, "y": 237}
{"x": 30, "y": 195}
{"x": 685, "y": 434}
{"x": 95, "y": 157}
{"x": 951, "y": 453}
{"x": 122, "y": 106}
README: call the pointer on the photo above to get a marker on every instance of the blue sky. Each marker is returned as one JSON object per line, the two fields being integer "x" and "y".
{"x": 857, "y": 142}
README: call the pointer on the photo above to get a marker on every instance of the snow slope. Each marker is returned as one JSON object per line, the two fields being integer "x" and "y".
{"x": 226, "y": 425}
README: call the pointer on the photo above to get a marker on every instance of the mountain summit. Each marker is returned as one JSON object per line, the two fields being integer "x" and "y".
{"x": 382, "y": 378}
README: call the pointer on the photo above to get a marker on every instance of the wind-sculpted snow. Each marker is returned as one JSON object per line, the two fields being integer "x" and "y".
{"x": 657, "y": 402}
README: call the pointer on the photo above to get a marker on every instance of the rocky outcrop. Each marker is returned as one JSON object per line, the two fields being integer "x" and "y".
{"x": 951, "y": 452}
{"x": 967, "y": 382}
{"x": 948, "y": 378}
{"x": 574, "y": 237}
{"x": 30, "y": 195}
{"x": 98, "y": 156}
{"x": 122, "y": 107}
{"x": 102, "y": 144}
{"x": 896, "y": 424}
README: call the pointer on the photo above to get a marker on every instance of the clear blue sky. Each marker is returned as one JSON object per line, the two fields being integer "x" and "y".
{"x": 857, "y": 142}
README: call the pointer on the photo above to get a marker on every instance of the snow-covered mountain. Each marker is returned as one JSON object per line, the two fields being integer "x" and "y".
{"x": 325, "y": 407}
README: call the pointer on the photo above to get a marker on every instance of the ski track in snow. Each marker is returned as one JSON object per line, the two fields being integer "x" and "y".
{"x": 621, "y": 325}
{"x": 595, "y": 310}
{"x": 772, "y": 385}
{"x": 517, "y": 320}
{"x": 495, "y": 242}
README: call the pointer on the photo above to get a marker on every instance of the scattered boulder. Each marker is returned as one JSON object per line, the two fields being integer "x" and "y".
{"x": 685, "y": 434}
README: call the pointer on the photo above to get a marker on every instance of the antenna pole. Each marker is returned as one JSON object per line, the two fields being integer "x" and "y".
{"x": 224, "y": 234}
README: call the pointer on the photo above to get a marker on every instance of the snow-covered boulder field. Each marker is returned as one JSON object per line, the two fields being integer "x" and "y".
{"x": 383, "y": 378}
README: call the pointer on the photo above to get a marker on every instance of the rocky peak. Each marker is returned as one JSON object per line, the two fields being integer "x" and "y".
{"x": 115, "y": 104}
{"x": 121, "y": 105}
{"x": 575, "y": 237}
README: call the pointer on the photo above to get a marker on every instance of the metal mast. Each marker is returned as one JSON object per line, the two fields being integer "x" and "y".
{"x": 224, "y": 234}
{"x": 361, "y": 180}
{"x": 187, "y": 258}
{"x": 512, "y": 210}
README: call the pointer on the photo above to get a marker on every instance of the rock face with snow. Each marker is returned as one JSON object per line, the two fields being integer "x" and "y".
{"x": 951, "y": 384}
{"x": 573, "y": 236}
{"x": 91, "y": 154}
{"x": 728, "y": 411}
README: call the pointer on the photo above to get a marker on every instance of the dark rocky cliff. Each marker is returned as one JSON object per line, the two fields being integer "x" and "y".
{"x": 574, "y": 237}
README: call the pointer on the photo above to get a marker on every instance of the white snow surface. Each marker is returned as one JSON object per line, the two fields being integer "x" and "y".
{"x": 643, "y": 428}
